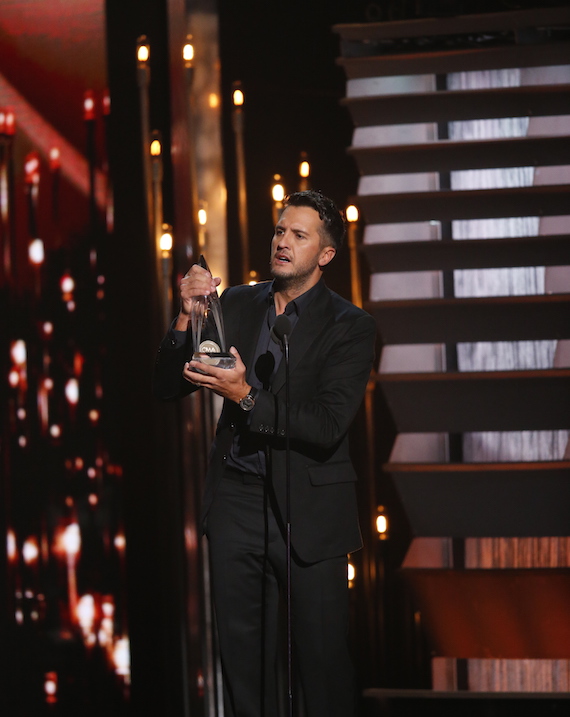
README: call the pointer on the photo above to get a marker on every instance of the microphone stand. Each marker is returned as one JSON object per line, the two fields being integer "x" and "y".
{"x": 288, "y": 524}
{"x": 280, "y": 332}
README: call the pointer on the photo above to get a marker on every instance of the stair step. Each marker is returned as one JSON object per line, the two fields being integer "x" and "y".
{"x": 553, "y": 250}
{"x": 448, "y": 105}
{"x": 363, "y": 60}
{"x": 447, "y": 205}
{"x": 485, "y": 499}
{"x": 506, "y": 21}
{"x": 495, "y": 613}
{"x": 478, "y": 400}
{"x": 450, "y": 155}
{"x": 499, "y": 318}
{"x": 378, "y": 702}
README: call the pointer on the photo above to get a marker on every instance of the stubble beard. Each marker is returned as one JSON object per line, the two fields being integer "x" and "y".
{"x": 291, "y": 282}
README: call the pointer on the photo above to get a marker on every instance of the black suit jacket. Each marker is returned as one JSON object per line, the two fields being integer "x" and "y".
{"x": 331, "y": 353}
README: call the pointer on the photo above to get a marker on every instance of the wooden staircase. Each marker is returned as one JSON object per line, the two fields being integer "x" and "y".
{"x": 463, "y": 609}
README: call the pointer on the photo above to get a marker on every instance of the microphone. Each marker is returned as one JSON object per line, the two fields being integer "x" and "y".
{"x": 280, "y": 329}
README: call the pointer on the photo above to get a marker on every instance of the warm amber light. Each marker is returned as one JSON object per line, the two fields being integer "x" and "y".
{"x": 188, "y": 52}
{"x": 304, "y": 169}
{"x": 238, "y": 98}
{"x": 166, "y": 241}
{"x": 382, "y": 523}
{"x": 155, "y": 148}
{"x": 278, "y": 190}
{"x": 143, "y": 50}
{"x": 351, "y": 213}
{"x": 213, "y": 100}
{"x": 202, "y": 217}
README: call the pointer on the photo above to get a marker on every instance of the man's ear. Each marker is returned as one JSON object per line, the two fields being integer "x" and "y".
{"x": 327, "y": 255}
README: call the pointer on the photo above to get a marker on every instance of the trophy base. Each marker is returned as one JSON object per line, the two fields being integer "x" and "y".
{"x": 220, "y": 360}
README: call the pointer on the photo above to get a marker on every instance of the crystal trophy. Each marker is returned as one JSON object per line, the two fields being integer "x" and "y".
{"x": 208, "y": 339}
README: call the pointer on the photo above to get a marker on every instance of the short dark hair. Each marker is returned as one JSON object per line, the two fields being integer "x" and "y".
{"x": 334, "y": 227}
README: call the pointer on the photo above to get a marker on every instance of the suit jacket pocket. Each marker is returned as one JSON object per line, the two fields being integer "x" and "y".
{"x": 331, "y": 473}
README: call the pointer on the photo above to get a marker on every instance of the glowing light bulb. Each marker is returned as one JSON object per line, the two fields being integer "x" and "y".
{"x": 166, "y": 241}
{"x": 382, "y": 523}
{"x": 36, "y": 253}
{"x": 352, "y": 213}
{"x": 72, "y": 391}
{"x": 143, "y": 50}
{"x": 278, "y": 190}
{"x": 71, "y": 539}
{"x": 188, "y": 53}
{"x": 18, "y": 352}
{"x": 11, "y": 547}
{"x": 67, "y": 284}
{"x": 30, "y": 550}
{"x": 122, "y": 657}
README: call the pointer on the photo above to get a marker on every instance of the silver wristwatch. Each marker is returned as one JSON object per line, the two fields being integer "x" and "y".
{"x": 248, "y": 402}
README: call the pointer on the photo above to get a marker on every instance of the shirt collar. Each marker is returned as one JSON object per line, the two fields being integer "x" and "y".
{"x": 299, "y": 304}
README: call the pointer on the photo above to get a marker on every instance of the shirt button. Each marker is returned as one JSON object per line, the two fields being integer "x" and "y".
{"x": 232, "y": 426}
{"x": 224, "y": 458}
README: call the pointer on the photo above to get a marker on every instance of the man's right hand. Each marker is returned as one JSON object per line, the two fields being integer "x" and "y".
{"x": 196, "y": 282}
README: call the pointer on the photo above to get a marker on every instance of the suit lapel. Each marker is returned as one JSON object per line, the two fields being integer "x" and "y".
{"x": 312, "y": 322}
{"x": 251, "y": 319}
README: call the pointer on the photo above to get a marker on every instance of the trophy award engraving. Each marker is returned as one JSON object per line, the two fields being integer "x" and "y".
{"x": 208, "y": 339}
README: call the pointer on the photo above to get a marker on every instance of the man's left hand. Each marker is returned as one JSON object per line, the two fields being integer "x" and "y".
{"x": 228, "y": 383}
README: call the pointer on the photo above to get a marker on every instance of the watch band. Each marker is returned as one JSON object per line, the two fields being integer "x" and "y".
{"x": 248, "y": 402}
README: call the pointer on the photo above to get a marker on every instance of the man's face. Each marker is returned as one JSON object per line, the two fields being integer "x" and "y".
{"x": 297, "y": 249}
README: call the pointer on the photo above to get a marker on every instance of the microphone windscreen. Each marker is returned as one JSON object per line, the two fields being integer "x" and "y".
{"x": 281, "y": 327}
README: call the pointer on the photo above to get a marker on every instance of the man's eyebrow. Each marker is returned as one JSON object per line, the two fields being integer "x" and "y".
{"x": 292, "y": 228}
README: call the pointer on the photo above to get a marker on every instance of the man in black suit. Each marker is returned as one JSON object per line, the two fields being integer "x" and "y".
{"x": 331, "y": 355}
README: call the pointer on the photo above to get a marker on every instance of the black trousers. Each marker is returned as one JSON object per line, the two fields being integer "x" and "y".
{"x": 248, "y": 571}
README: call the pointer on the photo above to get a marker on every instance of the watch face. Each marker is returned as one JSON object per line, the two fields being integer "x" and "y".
{"x": 247, "y": 403}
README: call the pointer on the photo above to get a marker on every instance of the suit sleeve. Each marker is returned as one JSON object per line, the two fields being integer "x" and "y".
{"x": 168, "y": 382}
{"x": 324, "y": 403}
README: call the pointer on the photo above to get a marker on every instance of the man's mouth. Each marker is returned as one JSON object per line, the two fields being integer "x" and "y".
{"x": 282, "y": 258}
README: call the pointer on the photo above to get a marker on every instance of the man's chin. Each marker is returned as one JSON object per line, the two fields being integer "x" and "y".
{"x": 280, "y": 272}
